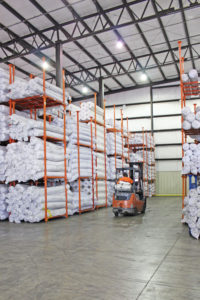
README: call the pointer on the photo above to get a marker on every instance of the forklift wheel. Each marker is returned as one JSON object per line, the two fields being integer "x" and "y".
{"x": 144, "y": 206}
{"x": 116, "y": 214}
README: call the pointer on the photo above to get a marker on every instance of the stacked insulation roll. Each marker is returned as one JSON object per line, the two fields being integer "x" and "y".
{"x": 191, "y": 158}
{"x": 3, "y": 204}
{"x": 111, "y": 190}
{"x": 4, "y": 86}
{"x": 111, "y": 170}
{"x": 86, "y": 196}
{"x": 25, "y": 161}
{"x": 27, "y": 203}
{"x": 85, "y": 163}
{"x": 191, "y": 83}
{"x": 100, "y": 192}
{"x": 191, "y": 119}
{"x": 22, "y": 128}
{"x": 23, "y": 89}
{"x": 191, "y": 212}
{"x": 3, "y": 164}
{"x": 87, "y": 112}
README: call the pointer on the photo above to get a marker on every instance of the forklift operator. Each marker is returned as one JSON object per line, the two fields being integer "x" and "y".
{"x": 125, "y": 178}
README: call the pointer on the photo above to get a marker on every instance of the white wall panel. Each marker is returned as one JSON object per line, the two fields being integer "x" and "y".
{"x": 172, "y": 165}
{"x": 167, "y": 137}
{"x": 166, "y": 93}
{"x": 167, "y": 123}
{"x": 139, "y": 95}
{"x": 167, "y": 108}
{"x": 136, "y": 125}
{"x": 168, "y": 152}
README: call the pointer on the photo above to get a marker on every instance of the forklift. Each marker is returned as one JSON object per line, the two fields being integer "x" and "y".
{"x": 130, "y": 199}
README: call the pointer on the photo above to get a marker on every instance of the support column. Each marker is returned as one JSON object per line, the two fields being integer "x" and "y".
{"x": 151, "y": 103}
{"x": 59, "y": 64}
{"x": 100, "y": 98}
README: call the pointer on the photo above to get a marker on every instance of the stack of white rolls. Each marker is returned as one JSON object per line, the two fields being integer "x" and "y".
{"x": 3, "y": 204}
{"x": 110, "y": 146}
{"x": 111, "y": 170}
{"x": 22, "y": 128}
{"x": 25, "y": 161}
{"x": 136, "y": 157}
{"x": 111, "y": 190}
{"x": 87, "y": 111}
{"x": 191, "y": 212}
{"x": 100, "y": 192}
{"x": 192, "y": 78}
{"x": 3, "y": 164}
{"x": 86, "y": 195}
{"x": 191, "y": 119}
{"x": 33, "y": 87}
{"x": 85, "y": 163}
{"x": 27, "y": 203}
{"x": 84, "y": 133}
{"x": 191, "y": 158}
{"x": 4, "y": 86}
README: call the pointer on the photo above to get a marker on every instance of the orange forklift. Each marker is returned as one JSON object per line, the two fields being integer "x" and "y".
{"x": 129, "y": 198}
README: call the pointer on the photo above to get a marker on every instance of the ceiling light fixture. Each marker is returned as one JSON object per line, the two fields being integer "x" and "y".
{"x": 143, "y": 77}
{"x": 84, "y": 90}
{"x": 119, "y": 44}
{"x": 45, "y": 65}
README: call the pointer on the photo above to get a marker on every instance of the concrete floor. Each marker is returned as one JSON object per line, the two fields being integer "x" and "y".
{"x": 97, "y": 256}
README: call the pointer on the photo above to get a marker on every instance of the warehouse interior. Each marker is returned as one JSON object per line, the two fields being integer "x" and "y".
{"x": 99, "y": 149}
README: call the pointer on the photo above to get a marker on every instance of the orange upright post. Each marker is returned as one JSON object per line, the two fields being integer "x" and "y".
{"x": 147, "y": 166}
{"x": 181, "y": 61}
{"x": 79, "y": 175}
{"x": 115, "y": 140}
{"x": 122, "y": 136}
{"x": 65, "y": 142}
{"x": 105, "y": 156}
{"x": 45, "y": 144}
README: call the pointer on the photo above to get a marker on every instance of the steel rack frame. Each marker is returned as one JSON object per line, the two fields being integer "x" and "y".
{"x": 79, "y": 175}
{"x": 38, "y": 102}
{"x": 187, "y": 89}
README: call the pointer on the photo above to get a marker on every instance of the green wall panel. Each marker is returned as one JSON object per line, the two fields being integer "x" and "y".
{"x": 168, "y": 183}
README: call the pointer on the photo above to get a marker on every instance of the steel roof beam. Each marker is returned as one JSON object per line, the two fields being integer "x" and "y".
{"x": 30, "y": 47}
{"x": 118, "y": 35}
{"x": 143, "y": 36}
{"x": 96, "y": 38}
{"x": 164, "y": 32}
{"x": 64, "y": 31}
{"x": 186, "y": 32}
{"x": 96, "y": 30}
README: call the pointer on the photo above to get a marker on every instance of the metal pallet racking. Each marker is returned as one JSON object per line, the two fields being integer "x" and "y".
{"x": 187, "y": 89}
{"x": 42, "y": 102}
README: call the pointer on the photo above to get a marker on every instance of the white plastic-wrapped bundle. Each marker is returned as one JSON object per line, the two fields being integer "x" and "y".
{"x": 2, "y": 163}
{"x": 185, "y": 111}
{"x": 191, "y": 159}
{"x": 25, "y": 161}
{"x": 110, "y": 192}
{"x": 99, "y": 137}
{"x": 191, "y": 212}
{"x": 111, "y": 170}
{"x": 21, "y": 128}
{"x": 136, "y": 157}
{"x": 27, "y": 203}
{"x": 100, "y": 192}
{"x": 4, "y": 86}
{"x": 86, "y": 196}
{"x": 87, "y": 111}
{"x": 193, "y": 75}
{"x": 85, "y": 163}
{"x": 110, "y": 145}
{"x": 3, "y": 204}
{"x": 33, "y": 87}
{"x": 84, "y": 133}
{"x": 100, "y": 164}
{"x": 187, "y": 125}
